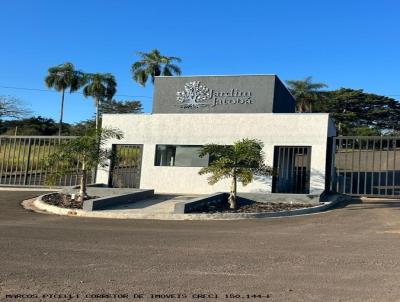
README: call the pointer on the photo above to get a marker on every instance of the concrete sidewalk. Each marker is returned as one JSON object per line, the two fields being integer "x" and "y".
{"x": 161, "y": 207}
{"x": 165, "y": 207}
{"x": 159, "y": 204}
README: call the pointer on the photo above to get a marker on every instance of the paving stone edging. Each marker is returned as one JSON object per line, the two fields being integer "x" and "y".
{"x": 333, "y": 200}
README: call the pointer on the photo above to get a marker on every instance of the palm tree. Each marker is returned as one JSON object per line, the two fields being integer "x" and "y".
{"x": 100, "y": 86}
{"x": 61, "y": 78}
{"x": 305, "y": 93}
{"x": 153, "y": 64}
{"x": 87, "y": 151}
{"x": 240, "y": 161}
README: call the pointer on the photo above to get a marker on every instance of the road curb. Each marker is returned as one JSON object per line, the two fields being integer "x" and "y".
{"x": 41, "y": 205}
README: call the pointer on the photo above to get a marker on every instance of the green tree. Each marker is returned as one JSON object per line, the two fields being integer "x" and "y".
{"x": 86, "y": 151}
{"x": 30, "y": 126}
{"x": 114, "y": 106}
{"x": 100, "y": 86}
{"x": 240, "y": 162}
{"x": 358, "y": 113}
{"x": 305, "y": 92}
{"x": 61, "y": 78}
{"x": 153, "y": 64}
{"x": 362, "y": 131}
{"x": 82, "y": 127}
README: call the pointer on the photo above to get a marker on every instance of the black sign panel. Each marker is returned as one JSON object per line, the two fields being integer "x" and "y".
{"x": 221, "y": 94}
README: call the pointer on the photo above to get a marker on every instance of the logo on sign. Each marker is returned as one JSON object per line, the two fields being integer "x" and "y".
{"x": 196, "y": 95}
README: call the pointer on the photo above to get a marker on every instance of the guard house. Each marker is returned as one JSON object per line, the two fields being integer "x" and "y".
{"x": 160, "y": 150}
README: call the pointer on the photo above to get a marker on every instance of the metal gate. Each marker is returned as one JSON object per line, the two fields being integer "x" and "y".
{"x": 125, "y": 166}
{"x": 22, "y": 161}
{"x": 292, "y": 169}
{"x": 366, "y": 166}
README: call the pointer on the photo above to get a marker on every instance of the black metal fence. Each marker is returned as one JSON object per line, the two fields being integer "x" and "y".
{"x": 366, "y": 166}
{"x": 22, "y": 161}
{"x": 292, "y": 169}
{"x": 125, "y": 166}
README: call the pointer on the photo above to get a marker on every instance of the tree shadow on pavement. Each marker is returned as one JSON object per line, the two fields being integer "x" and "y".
{"x": 373, "y": 203}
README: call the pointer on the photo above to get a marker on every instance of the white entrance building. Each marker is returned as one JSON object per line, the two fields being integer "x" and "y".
{"x": 189, "y": 112}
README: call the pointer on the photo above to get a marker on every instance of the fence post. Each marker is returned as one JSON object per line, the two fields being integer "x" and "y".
{"x": 27, "y": 162}
{"x": 2, "y": 160}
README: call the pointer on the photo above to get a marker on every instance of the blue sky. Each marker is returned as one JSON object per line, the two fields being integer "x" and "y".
{"x": 353, "y": 43}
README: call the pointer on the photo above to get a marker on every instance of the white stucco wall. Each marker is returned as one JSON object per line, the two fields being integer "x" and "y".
{"x": 272, "y": 129}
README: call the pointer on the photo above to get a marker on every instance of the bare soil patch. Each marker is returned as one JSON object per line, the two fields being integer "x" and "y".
{"x": 252, "y": 207}
{"x": 64, "y": 200}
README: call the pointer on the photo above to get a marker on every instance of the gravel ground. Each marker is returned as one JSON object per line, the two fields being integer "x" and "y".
{"x": 64, "y": 200}
{"x": 251, "y": 207}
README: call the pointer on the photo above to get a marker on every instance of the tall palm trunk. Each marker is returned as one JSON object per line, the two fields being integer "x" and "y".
{"x": 94, "y": 171}
{"x": 97, "y": 113}
{"x": 61, "y": 113}
{"x": 232, "y": 195}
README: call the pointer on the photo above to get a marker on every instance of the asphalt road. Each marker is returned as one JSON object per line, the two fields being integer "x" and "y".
{"x": 349, "y": 254}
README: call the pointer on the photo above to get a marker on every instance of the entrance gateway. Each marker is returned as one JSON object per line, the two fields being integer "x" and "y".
{"x": 366, "y": 166}
{"x": 291, "y": 170}
{"x": 160, "y": 150}
{"x": 125, "y": 166}
{"x": 189, "y": 112}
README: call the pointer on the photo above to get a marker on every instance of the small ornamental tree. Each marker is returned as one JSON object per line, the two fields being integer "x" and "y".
{"x": 86, "y": 152}
{"x": 240, "y": 162}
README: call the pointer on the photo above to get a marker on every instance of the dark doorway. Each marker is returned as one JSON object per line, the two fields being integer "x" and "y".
{"x": 125, "y": 166}
{"x": 291, "y": 169}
